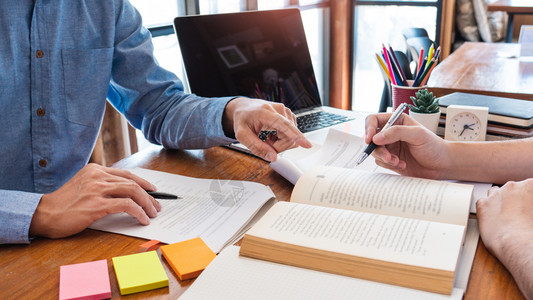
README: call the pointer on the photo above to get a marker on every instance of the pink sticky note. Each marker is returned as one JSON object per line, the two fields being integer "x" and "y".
{"x": 88, "y": 281}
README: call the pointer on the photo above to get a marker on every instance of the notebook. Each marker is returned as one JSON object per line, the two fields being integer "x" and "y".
{"x": 259, "y": 54}
{"x": 504, "y": 111}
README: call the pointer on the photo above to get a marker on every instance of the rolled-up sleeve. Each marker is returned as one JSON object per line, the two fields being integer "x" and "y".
{"x": 152, "y": 98}
{"x": 16, "y": 211}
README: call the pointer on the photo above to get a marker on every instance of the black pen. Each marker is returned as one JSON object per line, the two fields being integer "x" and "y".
{"x": 395, "y": 115}
{"x": 161, "y": 195}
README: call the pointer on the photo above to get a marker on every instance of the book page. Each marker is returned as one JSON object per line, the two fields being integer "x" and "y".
{"x": 481, "y": 190}
{"x": 380, "y": 237}
{"x": 462, "y": 275}
{"x": 215, "y": 210}
{"x": 340, "y": 149}
{"x": 380, "y": 193}
{"x": 230, "y": 276}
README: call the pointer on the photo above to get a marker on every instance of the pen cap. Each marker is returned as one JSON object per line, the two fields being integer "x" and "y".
{"x": 402, "y": 94}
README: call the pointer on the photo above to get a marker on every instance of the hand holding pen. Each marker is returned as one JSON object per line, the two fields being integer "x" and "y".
{"x": 395, "y": 115}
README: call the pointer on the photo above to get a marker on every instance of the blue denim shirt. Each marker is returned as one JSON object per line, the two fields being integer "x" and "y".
{"x": 59, "y": 61}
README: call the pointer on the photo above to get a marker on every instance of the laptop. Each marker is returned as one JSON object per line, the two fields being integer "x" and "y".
{"x": 259, "y": 54}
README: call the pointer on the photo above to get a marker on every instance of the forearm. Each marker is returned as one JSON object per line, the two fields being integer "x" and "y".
{"x": 495, "y": 162}
{"x": 516, "y": 255}
{"x": 188, "y": 122}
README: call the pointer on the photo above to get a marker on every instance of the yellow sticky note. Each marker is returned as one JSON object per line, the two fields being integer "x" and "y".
{"x": 139, "y": 272}
{"x": 188, "y": 258}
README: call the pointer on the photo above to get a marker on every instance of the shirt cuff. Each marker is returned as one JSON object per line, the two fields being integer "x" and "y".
{"x": 217, "y": 129}
{"x": 16, "y": 212}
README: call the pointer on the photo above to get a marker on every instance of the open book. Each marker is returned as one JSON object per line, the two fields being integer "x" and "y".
{"x": 218, "y": 211}
{"x": 342, "y": 149}
{"x": 230, "y": 276}
{"x": 387, "y": 228}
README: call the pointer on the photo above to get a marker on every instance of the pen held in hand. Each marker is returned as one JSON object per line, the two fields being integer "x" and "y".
{"x": 161, "y": 195}
{"x": 395, "y": 115}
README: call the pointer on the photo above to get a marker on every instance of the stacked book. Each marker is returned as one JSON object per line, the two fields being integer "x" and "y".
{"x": 508, "y": 118}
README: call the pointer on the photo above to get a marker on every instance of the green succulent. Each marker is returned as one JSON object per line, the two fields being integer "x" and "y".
{"x": 424, "y": 102}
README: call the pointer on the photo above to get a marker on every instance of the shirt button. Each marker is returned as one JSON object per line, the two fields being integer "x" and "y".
{"x": 39, "y": 53}
{"x": 40, "y": 112}
{"x": 42, "y": 163}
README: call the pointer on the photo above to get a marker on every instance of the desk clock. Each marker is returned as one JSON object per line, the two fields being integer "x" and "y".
{"x": 466, "y": 123}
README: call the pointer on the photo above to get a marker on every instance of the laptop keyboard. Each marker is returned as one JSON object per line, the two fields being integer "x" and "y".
{"x": 318, "y": 120}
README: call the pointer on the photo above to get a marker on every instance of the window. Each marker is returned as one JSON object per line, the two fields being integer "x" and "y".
{"x": 315, "y": 21}
{"x": 271, "y": 4}
{"x": 214, "y": 6}
{"x": 157, "y": 12}
{"x": 375, "y": 23}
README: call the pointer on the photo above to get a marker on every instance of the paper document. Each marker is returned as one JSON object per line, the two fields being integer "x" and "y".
{"x": 230, "y": 276}
{"x": 218, "y": 211}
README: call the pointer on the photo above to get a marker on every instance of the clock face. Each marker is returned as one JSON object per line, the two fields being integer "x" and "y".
{"x": 465, "y": 126}
{"x": 466, "y": 123}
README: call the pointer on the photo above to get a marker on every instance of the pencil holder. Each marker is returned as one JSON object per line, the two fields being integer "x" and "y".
{"x": 402, "y": 94}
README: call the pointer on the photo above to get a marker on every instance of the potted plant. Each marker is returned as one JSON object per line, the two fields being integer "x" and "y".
{"x": 426, "y": 109}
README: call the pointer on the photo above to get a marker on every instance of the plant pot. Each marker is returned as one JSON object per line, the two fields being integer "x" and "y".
{"x": 430, "y": 121}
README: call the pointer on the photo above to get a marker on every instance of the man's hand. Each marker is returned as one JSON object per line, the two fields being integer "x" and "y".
{"x": 506, "y": 228}
{"x": 407, "y": 147}
{"x": 247, "y": 117}
{"x": 93, "y": 193}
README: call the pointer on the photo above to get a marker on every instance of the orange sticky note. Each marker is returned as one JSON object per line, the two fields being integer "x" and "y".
{"x": 88, "y": 280}
{"x": 188, "y": 258}
{"x": 150, "y": 245}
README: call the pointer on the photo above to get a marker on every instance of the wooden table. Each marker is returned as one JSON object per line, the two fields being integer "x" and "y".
{"x": 32, "y": 271}
{"x": 511, "y": 7}
{"x": 484, "y": 68}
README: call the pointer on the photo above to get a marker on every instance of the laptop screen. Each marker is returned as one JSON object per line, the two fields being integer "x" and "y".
{"x": 258, "y": 54}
